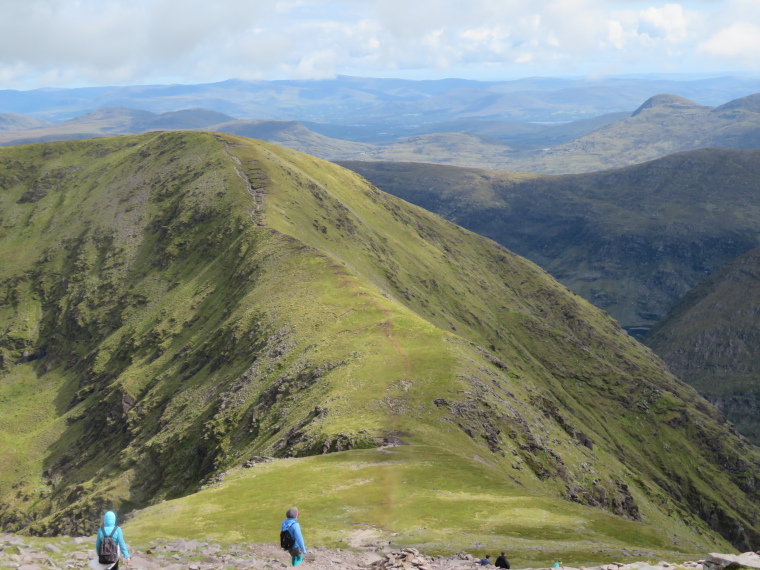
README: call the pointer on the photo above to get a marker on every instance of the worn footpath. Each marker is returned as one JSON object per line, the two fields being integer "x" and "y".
{"x": 31, "y": 554}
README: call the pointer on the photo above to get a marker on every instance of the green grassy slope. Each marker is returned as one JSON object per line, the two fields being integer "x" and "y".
{"x": 633, "y": 241}
{"x": 174, "y": 304}
{"x": 711, "y": 341}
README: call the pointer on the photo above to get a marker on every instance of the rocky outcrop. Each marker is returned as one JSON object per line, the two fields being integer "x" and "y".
{"x": 406, "y": 559}
{"x": 721, "y": 561}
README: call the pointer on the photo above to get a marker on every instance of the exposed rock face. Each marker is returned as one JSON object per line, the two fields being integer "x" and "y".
{"x": 715, "y": 561}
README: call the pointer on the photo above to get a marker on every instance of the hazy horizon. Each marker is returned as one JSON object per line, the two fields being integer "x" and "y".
{"x": 86, "y": 43}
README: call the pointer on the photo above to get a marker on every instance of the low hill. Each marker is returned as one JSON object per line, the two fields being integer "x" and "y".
{"x": 664, "y": 124}
{"x": 16, "y": 122}
{"x": 114, "y": 121}
{"x": 185, "y": 119}
{"x": 296, "y": 136}
{"x": 461, "y": 149}
{"x": 174, "y": 305}
{"x": 632, "y": 241}
{"x": 712, "y": 340}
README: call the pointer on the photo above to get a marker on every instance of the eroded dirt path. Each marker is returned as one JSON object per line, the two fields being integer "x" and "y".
{"x": 255, "y": 181}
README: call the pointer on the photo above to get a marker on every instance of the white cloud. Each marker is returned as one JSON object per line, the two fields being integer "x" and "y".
{"x": 671, "y": 23}
{"x": 740, "y": 40}
{"x": 107, "y": 41}
{"x": 615, "y": 34}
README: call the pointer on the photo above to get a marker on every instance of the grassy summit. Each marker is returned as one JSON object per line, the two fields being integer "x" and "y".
{"x": 173, "y": 304}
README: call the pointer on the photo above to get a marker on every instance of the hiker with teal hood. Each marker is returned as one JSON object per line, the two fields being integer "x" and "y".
{"x": 291, "y": 538}
{"x": 110, "y": 545}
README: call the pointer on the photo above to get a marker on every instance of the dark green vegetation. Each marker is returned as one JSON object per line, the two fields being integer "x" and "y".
{"x": 632, "y": 241}
{"x": 172, "y": 304}
{"x": 712, "y": 340}
{"x": 664, "y": 124}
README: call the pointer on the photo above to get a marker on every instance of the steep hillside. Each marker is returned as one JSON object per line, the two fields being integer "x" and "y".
{"x": 632, "y": 241}
{"x": 664, "y": 124}
{"x": 712, "y": 340}
{"x": 173, "y": 304}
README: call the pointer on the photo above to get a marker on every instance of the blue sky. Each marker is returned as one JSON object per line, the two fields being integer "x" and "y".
{"x": 115, "y": 42}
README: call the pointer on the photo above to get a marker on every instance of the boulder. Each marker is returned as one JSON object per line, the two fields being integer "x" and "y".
{"x": 406, "y": 559}
{"x": 714, "y": 561}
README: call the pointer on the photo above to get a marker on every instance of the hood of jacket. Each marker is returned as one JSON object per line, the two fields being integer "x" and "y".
{"x": 287, "y": 523}
{"x": 109, "y": 519}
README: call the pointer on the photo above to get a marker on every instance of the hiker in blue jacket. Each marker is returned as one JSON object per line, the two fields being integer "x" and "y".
{"x": 291, "y": 525}
{"x": 109, "y": 524}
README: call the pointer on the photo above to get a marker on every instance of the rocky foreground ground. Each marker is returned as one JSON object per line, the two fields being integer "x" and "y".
{"x": 27, "y": 554}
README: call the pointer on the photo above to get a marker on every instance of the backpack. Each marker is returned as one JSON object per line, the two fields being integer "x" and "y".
{"x": 109, "y": 551}
{"x": 286, "y": 540}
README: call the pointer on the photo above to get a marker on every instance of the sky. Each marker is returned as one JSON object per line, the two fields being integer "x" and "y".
{"x": 75, "y": 43}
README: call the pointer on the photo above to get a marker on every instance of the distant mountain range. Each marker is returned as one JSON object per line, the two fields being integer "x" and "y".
{"x": 483, "y": 144}
{"x": 662, "y": 125}
{"x": 384, "y": 103}
{"x": 105, "y": 122}
{"x": 633, "y": 241}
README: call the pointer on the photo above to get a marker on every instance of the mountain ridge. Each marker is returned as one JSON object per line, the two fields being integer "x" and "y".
{"x": 663, "y": 125}
{"x": 380, "y": 100}
{"x": 176, "y": 303}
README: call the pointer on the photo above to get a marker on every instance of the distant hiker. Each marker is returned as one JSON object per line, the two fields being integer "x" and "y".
{"x": 485, "y": 561}
{"x": 291, "y": 538}
{"x": 110, "y": 545}
{"x": 501, "y": 561}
